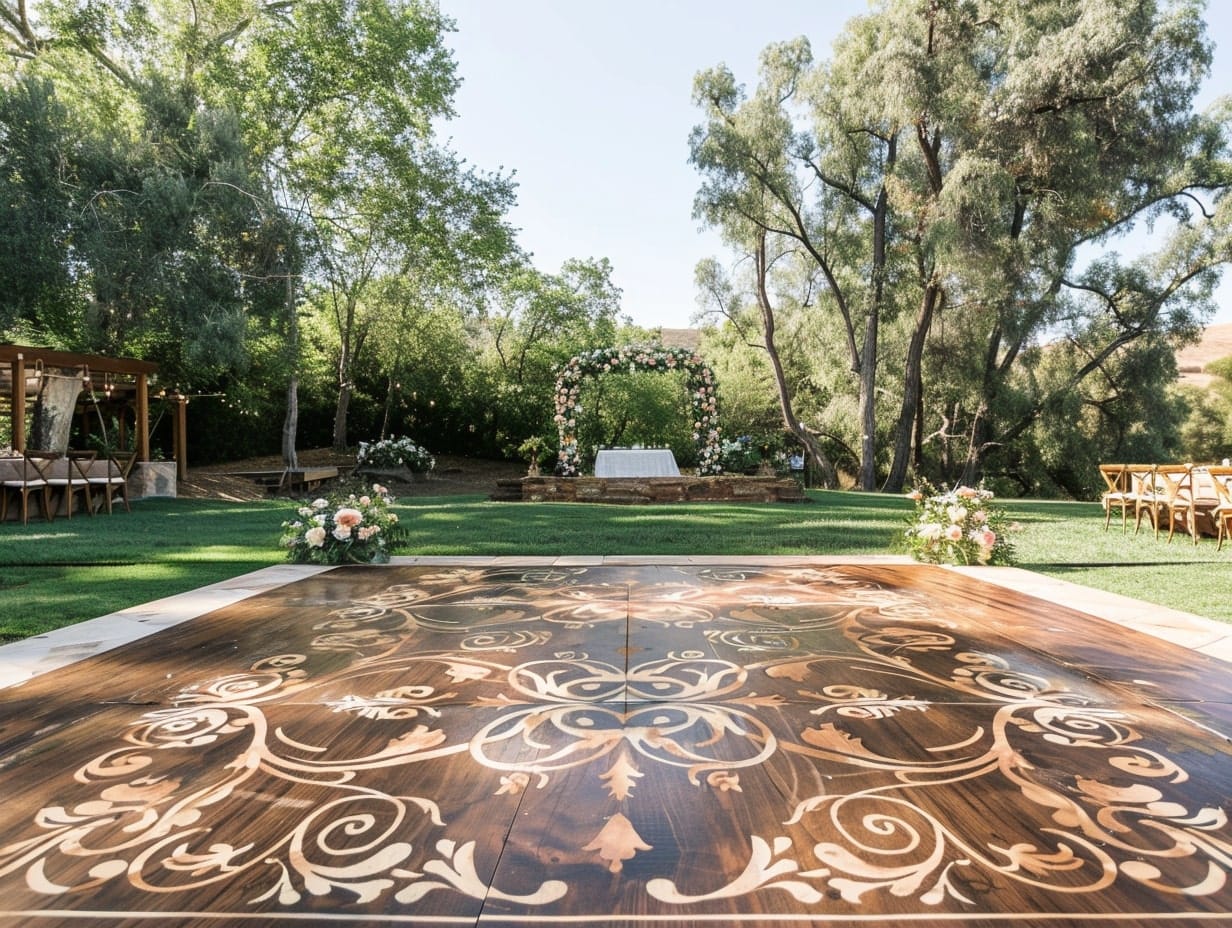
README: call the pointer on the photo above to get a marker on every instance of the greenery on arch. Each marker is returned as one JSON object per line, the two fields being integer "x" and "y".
{"x": 632, "y": 359}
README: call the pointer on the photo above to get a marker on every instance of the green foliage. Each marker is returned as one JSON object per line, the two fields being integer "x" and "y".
{"x": 998, "y": 164}
{"x": 1206, "y": 434}
{"x": 636, "y": 409}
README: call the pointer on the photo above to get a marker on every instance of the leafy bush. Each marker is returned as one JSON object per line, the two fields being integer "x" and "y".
{"x": 344, "y": 528}
{"x": 390, "y": 453}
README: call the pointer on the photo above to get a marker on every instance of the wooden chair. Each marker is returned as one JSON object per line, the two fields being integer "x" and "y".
{"x": 1116, "y": 477}
{"x": 1221, "y": 515}
{"x": 110, "y": 477}
{"x": 21, "y": 477}
{"x": 1150, "y": 493}
{"x": 1179, "y": 501}
{"x": 65, "y": 474}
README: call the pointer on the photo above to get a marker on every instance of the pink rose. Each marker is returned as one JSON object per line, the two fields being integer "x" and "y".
{"x": 348, "y": 518}
{"x": 954, "y": 533}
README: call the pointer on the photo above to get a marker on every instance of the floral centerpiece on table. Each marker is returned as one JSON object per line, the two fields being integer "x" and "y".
{"x": 958, "y": 526}
{"x": 392, "y": 453}
{"x": 344, "y": 528}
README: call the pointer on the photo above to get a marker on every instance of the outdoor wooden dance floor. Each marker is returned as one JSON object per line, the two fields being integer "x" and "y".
{"x": 623, "y": 745}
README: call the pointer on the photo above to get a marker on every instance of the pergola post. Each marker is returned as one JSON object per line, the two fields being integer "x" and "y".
{"x": 179, "y": 436}
{"x": 18, "y": 405}
{"x": 143, "y": 418}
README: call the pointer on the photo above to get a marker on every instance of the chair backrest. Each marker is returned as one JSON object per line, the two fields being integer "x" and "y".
{"x": 1140, "y": 479}
{"x": 1114, "y": 476}
{"x": 123, "y": 460}
{"x": 56, "y": 468}
{"x": 1221, "y": 480}
{"x": 99, "y": 468}
{"x": 37, "y": 464}
{"x": 1175, "y": 481}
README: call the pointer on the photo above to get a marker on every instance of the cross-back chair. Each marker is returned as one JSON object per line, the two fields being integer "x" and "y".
{"x": 1117, "y": 493}
{"x": 1221, "y": 515}
{"x": 22, "y": 477}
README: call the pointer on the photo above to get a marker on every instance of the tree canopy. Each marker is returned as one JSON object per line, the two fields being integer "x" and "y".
{"x": 950, "y": 187}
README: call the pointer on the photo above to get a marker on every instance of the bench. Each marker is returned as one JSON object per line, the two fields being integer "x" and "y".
{"x": 291, "y": 479}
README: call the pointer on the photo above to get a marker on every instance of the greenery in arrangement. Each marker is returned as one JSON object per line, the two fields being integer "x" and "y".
{"x": 344, "y": 528}
{"x": 958, "y": 526}
{"x": 392, "y": 453}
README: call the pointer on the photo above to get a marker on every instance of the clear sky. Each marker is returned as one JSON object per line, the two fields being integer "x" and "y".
{"x": 589, "y": 102}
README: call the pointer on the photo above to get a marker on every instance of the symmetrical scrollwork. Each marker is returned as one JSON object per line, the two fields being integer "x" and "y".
{"x": 374, "y": 762}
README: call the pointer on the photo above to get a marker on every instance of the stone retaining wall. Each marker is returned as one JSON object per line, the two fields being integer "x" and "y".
{"x": 661, "y": 489}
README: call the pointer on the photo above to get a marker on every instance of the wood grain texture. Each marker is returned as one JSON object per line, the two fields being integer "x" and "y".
{"x": 680, "y": 745}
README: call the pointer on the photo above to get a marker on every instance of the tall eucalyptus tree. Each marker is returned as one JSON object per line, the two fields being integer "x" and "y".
{"x": 968, "y": 159}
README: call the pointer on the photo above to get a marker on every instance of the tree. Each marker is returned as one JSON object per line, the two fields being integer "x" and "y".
{"x": 969, "y": 163}
{"x": 536, "y": 323}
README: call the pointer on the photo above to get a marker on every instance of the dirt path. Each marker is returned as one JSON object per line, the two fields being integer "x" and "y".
{"x": 454, "y": 476}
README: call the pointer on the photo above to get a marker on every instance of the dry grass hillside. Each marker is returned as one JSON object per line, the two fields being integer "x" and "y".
{"x": 1216, "y": 343}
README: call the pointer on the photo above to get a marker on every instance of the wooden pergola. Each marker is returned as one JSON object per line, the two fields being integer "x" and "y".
{"x": 22, "y": 367}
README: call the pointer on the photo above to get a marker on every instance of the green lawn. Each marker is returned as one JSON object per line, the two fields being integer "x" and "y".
{"x": 53, "y": 575}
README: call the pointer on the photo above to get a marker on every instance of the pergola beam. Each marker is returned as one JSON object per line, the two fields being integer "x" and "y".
{"x": 20, "y": 359}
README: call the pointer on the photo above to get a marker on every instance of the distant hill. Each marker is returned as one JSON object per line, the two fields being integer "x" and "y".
{"x": 1216, "y": 343}
{"x": 680, "y": 338}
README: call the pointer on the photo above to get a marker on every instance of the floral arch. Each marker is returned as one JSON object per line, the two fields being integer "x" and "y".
{"x": 631, "y": 359}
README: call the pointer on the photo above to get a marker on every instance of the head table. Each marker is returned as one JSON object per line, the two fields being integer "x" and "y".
{"x": 636, "y": 462}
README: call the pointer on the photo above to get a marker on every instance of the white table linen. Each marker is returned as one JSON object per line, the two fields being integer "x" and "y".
{"x": 636, "y": 462}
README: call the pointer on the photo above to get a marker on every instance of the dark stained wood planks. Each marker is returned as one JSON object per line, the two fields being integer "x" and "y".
{"x": 674, "y": 744}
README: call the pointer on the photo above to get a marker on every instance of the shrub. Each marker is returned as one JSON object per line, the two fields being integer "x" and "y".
{"x": 390, "y": 453}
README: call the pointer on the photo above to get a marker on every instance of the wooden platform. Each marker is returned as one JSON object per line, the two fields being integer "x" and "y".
{"x": 292, "y": 479}
{"x": 623, "y": 745}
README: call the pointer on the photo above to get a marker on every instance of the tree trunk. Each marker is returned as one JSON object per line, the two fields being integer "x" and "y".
{"x": 290, "y": 422}
{"x": 868, "y": 404}
{"x": 340, "y": 416}
{"x": 390, "y": 387}
{"x": 829, "y": 477}
{"x": 53, "y": 411}
{"x": 908, "y": 424}
{"x": 868, "y": 351}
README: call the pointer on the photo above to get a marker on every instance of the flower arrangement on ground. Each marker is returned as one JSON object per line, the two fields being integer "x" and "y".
{"x": 344, "y": 528}
{"x": 958, "y": 526}
{"x": 391, "y": 453}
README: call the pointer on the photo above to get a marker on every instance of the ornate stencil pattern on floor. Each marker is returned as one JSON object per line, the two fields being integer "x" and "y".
{"x": 623, "y": 745}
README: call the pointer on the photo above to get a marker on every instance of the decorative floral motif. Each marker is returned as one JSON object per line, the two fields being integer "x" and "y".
{"x": 631, "y": 359}
{"x": 344, "y": 529}
{"x": 958, "y": 526}
{"x": 374, "y": 766}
